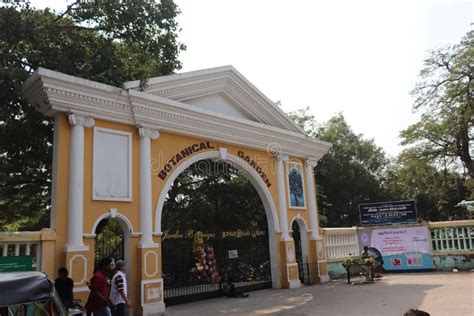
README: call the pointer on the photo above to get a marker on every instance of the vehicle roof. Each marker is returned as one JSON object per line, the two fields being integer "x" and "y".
{"x": 24, "y": 287}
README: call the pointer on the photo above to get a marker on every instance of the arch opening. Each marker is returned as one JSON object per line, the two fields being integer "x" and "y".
{"x": 218, "y": 225}
{"x": 299, "y": 232}
{"x": 112, "y": 237}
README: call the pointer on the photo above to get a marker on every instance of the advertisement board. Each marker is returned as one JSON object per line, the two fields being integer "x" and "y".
{"x": 405, "y": 248}
{"x": 386, "y": 213}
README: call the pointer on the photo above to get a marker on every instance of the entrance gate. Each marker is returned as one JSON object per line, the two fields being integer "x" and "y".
{"x": 208, "y": 245}
{"x": 203, "y": 272}
{"x": 118, "y": 151}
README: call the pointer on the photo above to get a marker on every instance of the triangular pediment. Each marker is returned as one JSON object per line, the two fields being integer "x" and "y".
{"x": 221, "y": 90}
{"x": 220, "y": 103}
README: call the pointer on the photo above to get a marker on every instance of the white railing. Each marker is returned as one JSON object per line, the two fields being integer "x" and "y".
{"x": 455, "y": 236}
{"x": 341, "y": 243}
{"x": 14, "y": 244}
{"x": 37, "y": 244}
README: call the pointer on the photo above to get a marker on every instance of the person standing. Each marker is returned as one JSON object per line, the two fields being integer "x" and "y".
{"x": 64, "y": 287}
{"x": 118, "y": 291}
{"x": 99, "y": 303}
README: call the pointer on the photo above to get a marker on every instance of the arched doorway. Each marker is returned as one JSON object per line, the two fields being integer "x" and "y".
{"x": 215, "y": 226}
{"x": 299, "y": 234}
{"x": 255, "y": 179}
{"x": 111, "y": 239}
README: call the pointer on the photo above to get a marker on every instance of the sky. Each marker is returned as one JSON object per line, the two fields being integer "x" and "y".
{"x": 359, "y": 58}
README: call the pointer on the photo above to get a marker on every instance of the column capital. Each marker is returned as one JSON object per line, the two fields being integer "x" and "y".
{"x": 311, "y": 163}
{"x": 81, "y": 120}
{"x": 281, "y": 157}
{"x": 146, "y": 132}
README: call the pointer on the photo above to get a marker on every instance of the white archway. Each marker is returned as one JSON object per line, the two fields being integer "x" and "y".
{"x": 252, "y": 175}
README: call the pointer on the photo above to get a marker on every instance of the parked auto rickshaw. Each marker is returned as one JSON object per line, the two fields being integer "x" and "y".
{"x": 28, "y": 293}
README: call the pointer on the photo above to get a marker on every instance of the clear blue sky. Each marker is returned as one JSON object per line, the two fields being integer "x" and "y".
{"x": 360, "y": 58}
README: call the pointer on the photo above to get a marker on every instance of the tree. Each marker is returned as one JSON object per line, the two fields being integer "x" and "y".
{"x": 351, "y": 173}
{"x": 445, "y": 94}
{"x": 435, "y": 191}
{"x": 107, "y": 41}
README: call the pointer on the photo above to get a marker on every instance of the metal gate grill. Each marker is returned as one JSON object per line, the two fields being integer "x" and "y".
{"x": 109, "y": 240}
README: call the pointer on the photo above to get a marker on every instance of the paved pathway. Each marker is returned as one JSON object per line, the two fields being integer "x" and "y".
{"x": 437, "y": 293}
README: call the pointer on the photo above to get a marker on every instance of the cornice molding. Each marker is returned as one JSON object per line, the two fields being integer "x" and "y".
{"x": 51, "y": 92}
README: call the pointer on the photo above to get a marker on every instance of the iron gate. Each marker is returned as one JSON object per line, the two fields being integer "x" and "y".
{"x": 244, "y": 263}
{"x": 308, "y": 273}
{"x": 109, "y": 240}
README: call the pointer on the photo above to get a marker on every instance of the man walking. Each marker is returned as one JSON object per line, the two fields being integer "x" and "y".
{"x": 98, "y": 302}
{"x": 118, "y": 291}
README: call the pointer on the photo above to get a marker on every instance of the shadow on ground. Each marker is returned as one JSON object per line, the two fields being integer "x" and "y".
{"x": 392, "y": 295}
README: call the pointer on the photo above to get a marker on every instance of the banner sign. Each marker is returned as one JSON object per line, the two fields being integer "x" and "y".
{"x": 385, "y": 213}
{"x": 16, "y": 263}
{"x": 405, "y": 248}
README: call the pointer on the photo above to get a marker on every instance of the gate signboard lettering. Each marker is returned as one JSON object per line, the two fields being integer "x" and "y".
{"x": 387, "y": 213}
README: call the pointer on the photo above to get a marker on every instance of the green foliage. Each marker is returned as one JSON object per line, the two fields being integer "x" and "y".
{"x": 213, "y": 197}
{"x": 210, "y": 195}
{"x": 352, "y": 261}
{"x": 445, "y": 94}
{"x": 305, "y": 120}
{"x": 351, "y": 173}
{"x": 357, "y": 171}
{"x": 435, "y": 191}
{"x": 108, "y": 41}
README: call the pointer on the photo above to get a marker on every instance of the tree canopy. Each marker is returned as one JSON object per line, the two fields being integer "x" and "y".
{"x": 107, "y": 41}
{"x": 445, "y": 97}
{"x": 351, "y": 173}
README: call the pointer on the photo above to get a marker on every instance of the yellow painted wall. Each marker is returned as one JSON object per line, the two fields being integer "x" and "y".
{"x": 162, "y": 149}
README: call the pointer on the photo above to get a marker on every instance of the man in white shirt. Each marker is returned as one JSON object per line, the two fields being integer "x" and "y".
{"x": 118, "y": 289}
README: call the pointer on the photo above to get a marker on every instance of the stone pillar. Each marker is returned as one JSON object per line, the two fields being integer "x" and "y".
{"x": 146, "y": 213}
{"x": 46, "y": 253}
{"x": 151, "y": 284}
{"x": 312, "y": 206}
{"x": 76, "y": 182}
{"x": 316, "y": 242}
{"x": 282, "y": 197}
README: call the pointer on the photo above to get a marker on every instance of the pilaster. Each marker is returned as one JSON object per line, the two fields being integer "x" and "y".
{"x": 146, "y": 215}
{"x": 76, "y": 182}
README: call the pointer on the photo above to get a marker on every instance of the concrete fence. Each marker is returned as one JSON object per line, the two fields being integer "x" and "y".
{"x": 452, "y": 244}
{"x": 39, "y": 245}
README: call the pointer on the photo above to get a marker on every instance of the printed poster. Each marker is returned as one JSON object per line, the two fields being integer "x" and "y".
{"x": 401, "y": 248}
